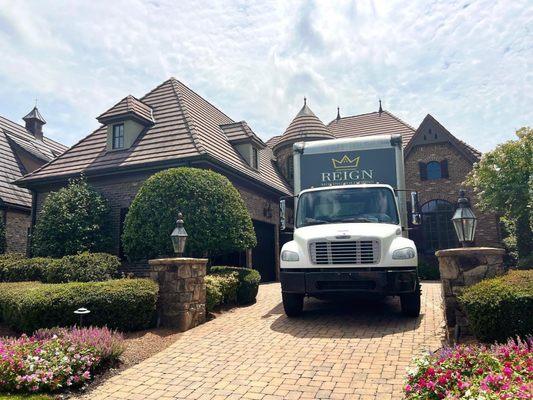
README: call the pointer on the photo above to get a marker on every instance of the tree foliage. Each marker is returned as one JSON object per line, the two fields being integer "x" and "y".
{"x": 214, "y": 213}
{"x": 73, "y": 219}
{"x": 503, "y": 181}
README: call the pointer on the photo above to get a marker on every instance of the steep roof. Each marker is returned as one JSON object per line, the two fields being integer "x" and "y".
{"x": 12, "y": 137}
{"x": 374, "y": 123}
{"x": 468, "y": 151}
{"x": 238, "y": 132}
{"x": 186, "y": 126}
{"x": 34, "y": 114}
{"x": 305, "y": 125}
{"x": 129, "y": 105}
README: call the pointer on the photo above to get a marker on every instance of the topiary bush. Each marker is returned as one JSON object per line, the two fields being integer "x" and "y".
{"x": 249, "y": 280}
{"x": 124, "y": 304}
{"x": 215, "y": 216}
{"x": 500, "y": 308}
{"x": 72, "y": 220}
{"x": 84, "y": 267}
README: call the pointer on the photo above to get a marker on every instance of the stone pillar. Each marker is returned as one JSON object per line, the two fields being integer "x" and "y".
{"x": 460, "y": 268}
{"x": 181, "y": 302}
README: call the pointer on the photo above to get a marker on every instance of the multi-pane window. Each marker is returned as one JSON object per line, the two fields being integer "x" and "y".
{"x": 118, "y": 136}
{"x": 437, "y": 226}
{"x": 433, "y": 170}
{"x": 290, "y": 168}
{"x": 255, "y": 159}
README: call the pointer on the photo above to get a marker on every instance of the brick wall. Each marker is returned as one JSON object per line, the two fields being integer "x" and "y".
{"x": 17, "y": 224}
{"x": 487, "y": 233}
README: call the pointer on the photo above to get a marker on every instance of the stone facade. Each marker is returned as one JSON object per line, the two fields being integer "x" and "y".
{"x": 487, "y": 232}
{"x": 182, "y": 291}
{"x": 17, "y": 223}
{"x": 460, "y": 268}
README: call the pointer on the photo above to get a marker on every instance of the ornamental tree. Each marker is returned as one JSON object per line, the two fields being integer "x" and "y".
{"x": 214, "y": 213}
{"x": 73, "y": 219}
{"x": 503, "y": 182}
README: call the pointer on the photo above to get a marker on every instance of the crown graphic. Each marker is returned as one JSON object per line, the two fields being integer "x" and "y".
{"x": 345, "y": 162}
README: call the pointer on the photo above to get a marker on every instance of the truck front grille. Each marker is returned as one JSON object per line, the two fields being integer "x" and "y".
{"x": 345, "y": 252}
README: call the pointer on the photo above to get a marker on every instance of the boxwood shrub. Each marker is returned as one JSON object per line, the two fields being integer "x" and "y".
{"x": 500, "y": 308}
{"x": 214, "y": 295}
{"x": 84, "y": 267}
{"x": 248, "y": 282}
{"x": 124, "y": 304}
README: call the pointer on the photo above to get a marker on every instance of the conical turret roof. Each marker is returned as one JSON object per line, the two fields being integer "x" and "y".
{"x": 305, "y": 126}
{"x": 34, "y": 114}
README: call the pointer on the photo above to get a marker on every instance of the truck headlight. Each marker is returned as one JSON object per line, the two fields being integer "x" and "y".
{"x": 403, "y": 254}
{"x": 287, "y": 255}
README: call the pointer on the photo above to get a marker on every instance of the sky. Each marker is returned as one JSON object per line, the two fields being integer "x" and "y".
{"x": 468, "y": 63}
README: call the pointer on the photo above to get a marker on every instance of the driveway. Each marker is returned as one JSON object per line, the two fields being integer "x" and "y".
{"x": 348, "y": 351}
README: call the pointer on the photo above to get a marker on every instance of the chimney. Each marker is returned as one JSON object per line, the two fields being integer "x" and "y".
{"x": 34, "y": 123}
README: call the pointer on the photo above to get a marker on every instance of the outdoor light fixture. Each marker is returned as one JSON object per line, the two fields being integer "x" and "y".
{"x": 81, "y": 312}
{"x": 179, "y": 236}
{"x": 464, "y": 221}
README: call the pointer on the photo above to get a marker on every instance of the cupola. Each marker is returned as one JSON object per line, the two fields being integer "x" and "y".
{"x": 245, "y": 141}
{"x": 125, "y": 121}
{"x": 34, "y": 123}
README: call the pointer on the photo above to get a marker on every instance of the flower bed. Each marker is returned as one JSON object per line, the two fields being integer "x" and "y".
{"x": 474, "y": 372}
{"x": 52, "y": 360}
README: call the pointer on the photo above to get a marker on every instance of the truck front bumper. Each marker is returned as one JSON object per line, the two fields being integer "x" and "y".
{"x": 340, "y": 280}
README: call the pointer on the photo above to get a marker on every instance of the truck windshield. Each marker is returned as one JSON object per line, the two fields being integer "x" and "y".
{"x": 376, "y": 205}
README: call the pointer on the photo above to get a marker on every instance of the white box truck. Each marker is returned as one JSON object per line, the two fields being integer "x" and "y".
{"x": 350, "y": 224}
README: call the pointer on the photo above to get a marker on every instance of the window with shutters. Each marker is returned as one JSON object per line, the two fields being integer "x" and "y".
{"x": 433, "y": 170}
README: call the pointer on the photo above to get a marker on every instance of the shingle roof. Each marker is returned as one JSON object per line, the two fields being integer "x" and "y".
{"x": 238, "y": 132}
{"x": 306, "y": 125}
{"x": 129, "y": 105}
{"x": 186, "y": 125}
{"x": 374, "y": 123}
{"x": 13, "y": 135}
{"x": 34, "y": 114}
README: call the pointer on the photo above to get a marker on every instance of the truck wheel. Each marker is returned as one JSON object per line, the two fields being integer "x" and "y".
{"x": 293, "y": 303}
{"x": 410, "y": 304}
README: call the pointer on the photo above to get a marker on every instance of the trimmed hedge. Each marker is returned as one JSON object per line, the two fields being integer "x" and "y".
{"x": 248, "y": 282}
{"x": 500, "y": 308}
{"x": 84, "y": 267}
{"x": 124, "y": 304}
{"x": 221, "y": 289}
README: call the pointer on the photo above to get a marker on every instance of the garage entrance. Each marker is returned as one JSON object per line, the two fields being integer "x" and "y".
{"x": 264, "y": 254}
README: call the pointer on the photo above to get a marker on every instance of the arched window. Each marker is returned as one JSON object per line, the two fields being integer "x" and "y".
{"x": 434, "y": 170}
{"x": 290, "y": 169}
{"x": 437, "y": 226}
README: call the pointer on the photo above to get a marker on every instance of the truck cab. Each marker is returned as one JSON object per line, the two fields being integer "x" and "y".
{"x": 349, "y": 239}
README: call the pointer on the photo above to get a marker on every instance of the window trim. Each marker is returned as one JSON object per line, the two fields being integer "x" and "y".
{"x": 255, "y": 158}
{"x": 117, "y": 137}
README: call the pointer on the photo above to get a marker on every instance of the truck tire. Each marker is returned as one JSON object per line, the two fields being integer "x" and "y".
{"x": 410, "y": 304}
{"x": 293, "y": 304}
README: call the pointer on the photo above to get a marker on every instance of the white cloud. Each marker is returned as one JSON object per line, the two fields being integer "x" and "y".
{"x": 466, "y": 62}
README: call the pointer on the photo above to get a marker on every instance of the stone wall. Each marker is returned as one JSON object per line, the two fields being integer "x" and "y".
{"x": 487, "y": 233}
{"x": 17, "y": 224}
{"x": 182, "y": 292}
{"x": 460, "y": 268}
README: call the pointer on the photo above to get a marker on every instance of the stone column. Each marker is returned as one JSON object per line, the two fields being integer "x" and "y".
{"x": 181, "y": 302}
{"x": 460, "y": 268}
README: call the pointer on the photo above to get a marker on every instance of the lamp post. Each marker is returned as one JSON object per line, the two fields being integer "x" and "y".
{"x": 81, "y": 312}
{"x": 179, "y": 236}
{"x": 464, "y": 221}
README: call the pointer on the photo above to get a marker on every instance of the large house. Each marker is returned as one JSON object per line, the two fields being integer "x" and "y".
{"x": 22, "y": 150}
{"x": 174, "y": 126}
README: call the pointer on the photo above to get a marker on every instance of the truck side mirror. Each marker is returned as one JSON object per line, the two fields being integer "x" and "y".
{"x": 282, "y": 217}
{"x": 415, "y": 211}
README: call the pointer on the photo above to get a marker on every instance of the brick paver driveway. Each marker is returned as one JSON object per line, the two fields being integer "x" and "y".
{"x": 347, "y": 351}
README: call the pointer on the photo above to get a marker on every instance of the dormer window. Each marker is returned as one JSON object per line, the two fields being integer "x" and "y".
{"x": 118, "y": 136}
{"x": 255, "y": 158}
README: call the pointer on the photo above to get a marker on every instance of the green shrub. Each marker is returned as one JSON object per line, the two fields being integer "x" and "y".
{"x": 2, "y": 236}
{"x": 84, "y": 267}
{"x": 124, "y": 304}
{"x": 229, "y": 284}
{"x": 428, "y": 271}
{"x": 215, "y": 216}
{"x": 248, "y": 282}
{"x": 500, "y": 308}
{"x": 525, "y": 263}
{"x": 72, "y": 220}
{"x": 214, "y": 295}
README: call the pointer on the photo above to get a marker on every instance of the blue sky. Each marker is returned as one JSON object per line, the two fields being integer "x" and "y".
{"x": 468, "y": 63}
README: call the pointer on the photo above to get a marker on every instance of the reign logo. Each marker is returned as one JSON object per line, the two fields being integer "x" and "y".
{"x": 346, "y": 171}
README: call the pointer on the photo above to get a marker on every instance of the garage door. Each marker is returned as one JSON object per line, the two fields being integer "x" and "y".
{"x": 264, "y": 254}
